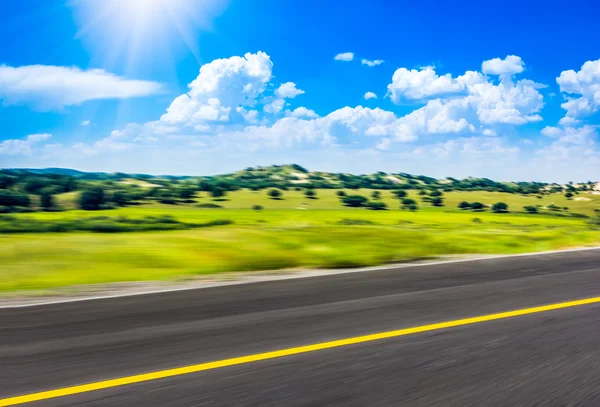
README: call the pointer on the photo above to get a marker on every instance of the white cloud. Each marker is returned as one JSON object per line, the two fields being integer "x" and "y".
{"x": 510, "y": 65}
{"x": 553, "y": 132}
{"x": 288, "y": 90}
{"x": 370, "y": 95}
{"x": 425, "y": 83}
{"x": 345, "y": 56}
{"x": 48, "y": 87}
{"x": 375, "y": 62}
{"x": 586, "y": 83}
{"x": 274, "y": 107}
{"x": 22, "y": 146}
{"x": 302, "y": 112}
{"x": 85, "y": 123}
{"x": 221, "y": 86}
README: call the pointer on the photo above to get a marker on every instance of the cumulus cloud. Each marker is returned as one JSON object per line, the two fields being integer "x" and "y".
{"x": 48, "y": 87}
{"x": 370, "y": 95}
{"x": 375, "y": 62}
{"x": 22, "y": 146}
{"x": 344, "y": 56}
{"x": 425, "y": 83}
{"x": 85, "y": 123}
{"x": 510, "y": 65}
{"x": 288, "y": 90}
{"x": 302, "y": 112}
{"x": 586, "y": 84}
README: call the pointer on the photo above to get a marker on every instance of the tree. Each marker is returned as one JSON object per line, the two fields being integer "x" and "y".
{"x": 186, "y": 192}
{"x": 257, "y": 207}
{"x": 500, "y": 207}
{"x": 47, "y": 201}
{"x": 422, "y": 192}
{"x": 408, "y": 203}
{"x": 92, "y": 199}
{"x": 120, "y": 198}
{"x": 310, "y": 193}
{"x": 400, "y": 193}
{"x": 531, "y": 209}
{"x": 376, "y": 206}
{"x": 413, "y": 207}
{"x": 354, "y": 201}
{"x": 464, "y": 205}
{"x": 275, "y": 193}
{"x": 477, "y": 206}
{"x": 8, "y": 198}
{"x": 436, "y": 193}
{"x": 569, "y": 195}
{"x": 341, "y": 194}
{"x": 218, "y": 192}
{"x": 437, "y": 201}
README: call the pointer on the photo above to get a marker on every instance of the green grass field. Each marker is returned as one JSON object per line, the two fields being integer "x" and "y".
{"x": 294, "y": 232}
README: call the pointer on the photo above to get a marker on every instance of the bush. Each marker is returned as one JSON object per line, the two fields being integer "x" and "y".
{"x": 436, "y": 193}
{"x": 500, "y": 207}
{"x": 208, "y": 206}
{"x": 400, "y": 193}
{"x": 310, "y": 193}
{"x": 92, "y": 199}
{"x": 275, "y": 193}
{"x": 437, "y": 201}
{"x": 354, "y": 201}
{"x": 168, "y": 201}
{"x": 257, "y": 207}
{"x": 477, "y": 206}
{"x": 376, "y": 206}
{"x": 412, "y": 207}
{"x": 47, "y": 201}
{"x": 531, "y": 209}
{"x": 9, "y": 198}
{"x": 376, "y": 195}
{"x": 464, "y": 205}
{"x": 569, "y": 195}
{"x": 341, "y": 194}
{"x": 477, "y": 220}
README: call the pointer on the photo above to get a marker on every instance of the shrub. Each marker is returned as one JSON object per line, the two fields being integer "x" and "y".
{"x": 9, "y": 198}
{"x": 341, "y": 194}
{"x": 376, "y": 206}
{"x": 168, "y": 201}
{"x": 275, "y": 193}
{"x": 436, "y": 193}
{"x": 500, "y": 207}
{"x": 376, "y": 195}
{"x": 208, "y": 206}
{"x": 400, "y": 193}
{"x": 531, "y": 209}
{"x": 464, "y": 205}
{"x": 569, "y": 195}
{"x": 91, "y": 199}
{"x": 477, "y": 220}
{"x": 412, "y": 207}
{"x": 437, "y": 201}
{"x": 354, "y": 201}
{"x": 310, "y": 193}
{"x": 257, "y": 207}
{"x": 477, "y": 206}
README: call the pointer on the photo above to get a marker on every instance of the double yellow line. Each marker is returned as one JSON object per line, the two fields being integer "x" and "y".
{"x": 161, "y": 374}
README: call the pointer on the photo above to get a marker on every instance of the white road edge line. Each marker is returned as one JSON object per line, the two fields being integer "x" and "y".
{"x": 308, "y": 273}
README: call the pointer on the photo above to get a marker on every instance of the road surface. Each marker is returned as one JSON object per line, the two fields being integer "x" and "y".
{"x": 538, "y": 357}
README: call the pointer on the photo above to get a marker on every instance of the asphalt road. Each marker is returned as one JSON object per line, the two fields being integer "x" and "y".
{"x": 547, "y": 358}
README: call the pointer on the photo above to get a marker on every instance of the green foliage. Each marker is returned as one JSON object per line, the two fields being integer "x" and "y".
{"x": 500, "y": 207}
{"x": 400, "y": 193}
{"x": 531, "y": 209}
{"x": 341, "y": 194}
{"x": 464, "y": 205}
{"x": 257, "y": 207}
{"x": 354, "y": 201}
{"x": 47, "y": 201}
{"x": 209, "y": 206}
{"x": 436, "y": 194}
{"x": 477, "y": 206}
{"x": 218, "y": 192}
{"x": 437, "y": 201}
{"x": 275, "y": 193}
{"x": 355, "y": 222}
{"x": 310, "y": 193}
{"x": 376, "y": 195}
{"x": 376, "y": 206}
{"x": 10, "y": 198}
{"x": 569, "y": 195}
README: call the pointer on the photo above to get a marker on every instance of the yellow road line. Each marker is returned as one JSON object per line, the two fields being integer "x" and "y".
{"x": 161, "y": 374}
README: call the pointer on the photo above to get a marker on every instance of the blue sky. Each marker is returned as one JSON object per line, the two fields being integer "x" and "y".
{"x": 509, "y": 91}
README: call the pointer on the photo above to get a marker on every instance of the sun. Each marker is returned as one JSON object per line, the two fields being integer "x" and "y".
{"x": 136, "y": 31}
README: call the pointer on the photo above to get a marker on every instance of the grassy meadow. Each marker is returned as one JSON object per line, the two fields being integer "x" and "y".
{"x": 293, "y": 232}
